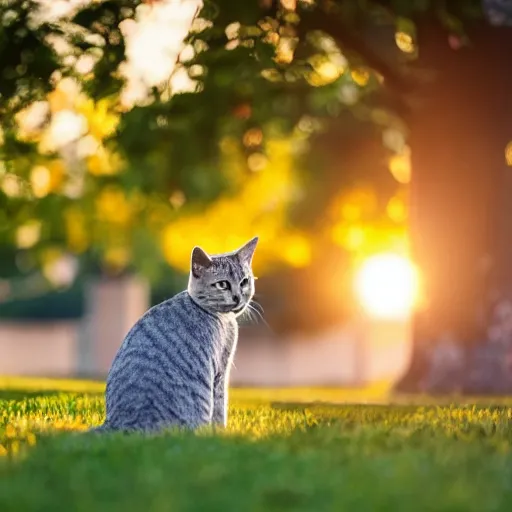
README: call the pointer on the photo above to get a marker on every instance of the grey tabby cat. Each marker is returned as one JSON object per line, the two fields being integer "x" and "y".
{"x": 172, "y": 368}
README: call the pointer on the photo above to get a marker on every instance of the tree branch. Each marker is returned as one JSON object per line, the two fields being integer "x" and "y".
{"x": 346, "y": 37}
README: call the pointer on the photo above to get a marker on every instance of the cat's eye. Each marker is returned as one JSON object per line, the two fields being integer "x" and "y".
{"x": 221, "y": 285}
{"x": 244, "y": 282}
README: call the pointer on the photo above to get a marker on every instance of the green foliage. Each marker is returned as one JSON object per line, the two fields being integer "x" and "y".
{"x": 28, "y": 61}
{"x": 272, "y": 457}
{"x": 245, "y": 78}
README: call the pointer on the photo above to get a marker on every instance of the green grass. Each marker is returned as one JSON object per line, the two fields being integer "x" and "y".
{"x": 279, "y": 453}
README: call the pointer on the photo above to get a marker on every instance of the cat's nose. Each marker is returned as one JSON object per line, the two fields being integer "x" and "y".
{"x": 236, "y": 299}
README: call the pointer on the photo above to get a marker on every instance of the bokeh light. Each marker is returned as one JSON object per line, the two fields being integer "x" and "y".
{"x": 508, "y": 154}
{"x": 360, "y": 76}
{"x": 387, "y": 286}
{"x": 405, "y": 42}
{"x": 400, "y": 165}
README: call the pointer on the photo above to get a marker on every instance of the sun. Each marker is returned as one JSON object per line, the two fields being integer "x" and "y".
{"x": 387, "y": 285}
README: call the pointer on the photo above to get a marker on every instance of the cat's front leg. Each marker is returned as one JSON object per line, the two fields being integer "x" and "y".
{"x": 221, "y": 383}
{"x": 220, "y": 401}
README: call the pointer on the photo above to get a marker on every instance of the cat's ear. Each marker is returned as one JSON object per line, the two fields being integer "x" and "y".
{"x": 246, "y": 252}
{"x": 199, "y": 261}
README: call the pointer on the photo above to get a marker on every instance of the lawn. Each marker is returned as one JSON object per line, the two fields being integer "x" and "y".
{"x": 283, "y": 450}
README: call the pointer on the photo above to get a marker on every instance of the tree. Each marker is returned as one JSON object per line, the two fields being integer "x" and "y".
{"x": 267, "y": 78}
{"x": 458, "y": 139}
{"x": 458, "y": 131}
{"x": 251, "y": 94}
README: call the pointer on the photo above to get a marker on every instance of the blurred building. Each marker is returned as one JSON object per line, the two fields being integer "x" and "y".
{"x": 362, "y": 351}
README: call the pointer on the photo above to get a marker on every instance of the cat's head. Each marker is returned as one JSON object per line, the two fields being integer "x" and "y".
{"x": 222, "y": 283}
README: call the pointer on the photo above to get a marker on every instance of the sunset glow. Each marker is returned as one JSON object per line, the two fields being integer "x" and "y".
{"x": 386, "y": 285}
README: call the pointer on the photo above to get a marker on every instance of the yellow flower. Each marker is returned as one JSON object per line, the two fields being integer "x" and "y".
{"x": 104, "y": 163}
{"x": 102, "y": 122}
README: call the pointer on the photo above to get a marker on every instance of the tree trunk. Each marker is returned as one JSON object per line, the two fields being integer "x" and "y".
{"x": 461, "y": 232}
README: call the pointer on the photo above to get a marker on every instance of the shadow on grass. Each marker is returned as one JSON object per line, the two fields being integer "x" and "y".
{"x": 317, "y": 469}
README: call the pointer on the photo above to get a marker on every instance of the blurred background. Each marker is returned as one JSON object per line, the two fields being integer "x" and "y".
{"x": 367, "y": 144}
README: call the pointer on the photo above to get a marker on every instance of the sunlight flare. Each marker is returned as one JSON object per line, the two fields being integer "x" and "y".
{"x": 387, "y": 286}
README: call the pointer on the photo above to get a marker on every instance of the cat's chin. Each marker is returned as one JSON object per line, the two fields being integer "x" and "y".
{"x": 240, "y": 309}
{"x": 224, "y": 309}
{"x": 237, "y": 311}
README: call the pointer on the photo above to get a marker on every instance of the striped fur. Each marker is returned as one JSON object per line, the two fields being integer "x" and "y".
{"x": 172, "y": 368}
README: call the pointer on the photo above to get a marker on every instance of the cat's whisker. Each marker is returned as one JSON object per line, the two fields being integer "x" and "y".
{"x": 254, "y": 318}
{"x": 256, "y": 312}
{"x": 260, "y": 317}
{"x": 259, "y": 306}
{"x": 251, "y": 308}
{"x": 246, "y": 314}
